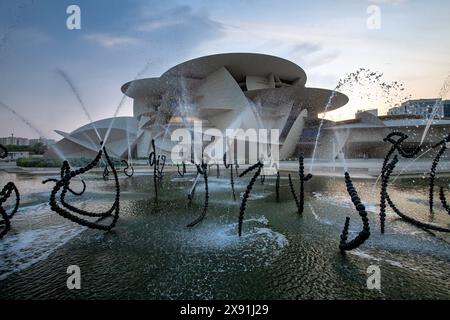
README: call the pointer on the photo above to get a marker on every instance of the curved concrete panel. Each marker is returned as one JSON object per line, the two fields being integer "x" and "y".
{"x": 239, "y": 65}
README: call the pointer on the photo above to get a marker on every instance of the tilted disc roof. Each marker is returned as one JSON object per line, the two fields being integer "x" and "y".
{"x": 239, "y": 65}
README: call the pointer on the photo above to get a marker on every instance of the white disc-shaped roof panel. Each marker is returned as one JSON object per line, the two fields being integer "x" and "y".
{"x": 121, "y": 123}
{"x": 239, "y": 65}
{"x": 314, "y": 99}
{"x": 143, "y": 88}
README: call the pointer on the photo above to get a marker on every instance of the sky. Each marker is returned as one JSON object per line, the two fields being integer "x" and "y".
{"x": 121, "y": 40}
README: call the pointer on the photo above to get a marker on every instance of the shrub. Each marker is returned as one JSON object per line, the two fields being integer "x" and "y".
{"x": 38, "y": 162}
{"x": 47, "y": 163}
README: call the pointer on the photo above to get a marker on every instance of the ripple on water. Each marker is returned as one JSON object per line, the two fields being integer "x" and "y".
{"x": 21, "y": 250}
{"x": 258, "y": 239}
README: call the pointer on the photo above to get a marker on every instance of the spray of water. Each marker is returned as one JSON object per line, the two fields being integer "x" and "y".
{"x": 76, "y": 92}
{"x": 410, "y": 163}
{"x": 442, "y": 94}
{"x": 369, "y": 85}
{"x": 21, "y": 117}
{"x": 330, "y": 100}
{"x": 32, "y": 127}
{"x": 341, "y": 139}
{"x": 122, "y": 100}
{"x": 255, "y": 110}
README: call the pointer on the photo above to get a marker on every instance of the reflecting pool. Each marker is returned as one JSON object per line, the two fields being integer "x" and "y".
{"x": 151, "y": 254}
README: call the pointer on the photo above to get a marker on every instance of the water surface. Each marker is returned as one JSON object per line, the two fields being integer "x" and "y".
{"x": 281, "y": 255}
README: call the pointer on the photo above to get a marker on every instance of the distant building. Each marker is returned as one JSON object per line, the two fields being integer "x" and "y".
{"x": 44, "y": 141}
{"x": 14, "y": 155}
{"x": 446, "y": 104}
{"x": 362, "y": 137}
{"x": 423, "y": 108}
{"x": 14, "y": 140}
{"x": 371, "y": 111}
{"x": 83, "y": 142}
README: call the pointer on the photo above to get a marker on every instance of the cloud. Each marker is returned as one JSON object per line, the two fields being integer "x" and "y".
{"x": 180, "y": 23}
{"x": 306, "y": 48}
{"x": 321, "y": 58}
{"x": 109, "y": 41}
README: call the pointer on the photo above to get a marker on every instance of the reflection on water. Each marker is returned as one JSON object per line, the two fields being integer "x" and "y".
{"x": 152, "y": 255}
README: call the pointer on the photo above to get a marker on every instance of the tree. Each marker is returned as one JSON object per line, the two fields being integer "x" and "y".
{"x": 38, "y": 148}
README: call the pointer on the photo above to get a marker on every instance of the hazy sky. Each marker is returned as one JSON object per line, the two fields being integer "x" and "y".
{"x": 118, "y": 38}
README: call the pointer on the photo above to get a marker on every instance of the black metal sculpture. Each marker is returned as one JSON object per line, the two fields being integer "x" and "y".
{"x": 386, "y": 172}
{"x": 106, "y": 173}
{"x": 258, "y": 166}
{"x": 68, "y": 211}
{"x": 277, "y": 186}
{"x": 444, "y": 200}
{"x": 65, "y": 169}
{"x": 229, "y": 166}
{"x": 194, "y": 186}
{"x": 202, "y": 169}
{"x": 155, "y": 162}
{"x": 5, "y": 193}
{"x": 443, "y": 144}
{"x": 345, "y": 245}
{"x": 127, "y": 167}
{"x": 160, "y": 164}
{"x": 301, "y": 172}
{"x": 385, "y": 196}
{"x": 396, "y": 146}
{"x": 183, "y": 172}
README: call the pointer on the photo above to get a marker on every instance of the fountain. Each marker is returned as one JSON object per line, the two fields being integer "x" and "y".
{"x": 76, "y": 92}
{"x": 122, "y": 101}
{"x": 316, "y": 142}
{"x": 220, "y": 252}
{"x": 371, "y": 81}
{"x": 303, "y": 179}
{"x": 442, "y": 93}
